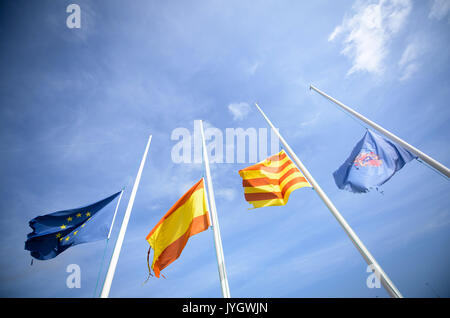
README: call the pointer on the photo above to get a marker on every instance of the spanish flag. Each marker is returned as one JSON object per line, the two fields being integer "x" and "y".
{"x": 270, "y": 182}
{"x": 187, "y": 217}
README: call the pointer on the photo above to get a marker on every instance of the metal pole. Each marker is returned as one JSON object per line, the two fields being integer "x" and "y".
{"x": 432, "y": 162}
{"x": 115, "y": 212}
{"x": 123, "y": 228}
{"x": 107, "y": 241}
{"x": 215, "y": 223}
{"x": 387, "y": 283}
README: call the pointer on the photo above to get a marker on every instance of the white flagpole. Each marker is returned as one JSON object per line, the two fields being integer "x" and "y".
{"x": 376, "y": 268}
{"x": 114, "y": 217}
{"x": 123, "y": 228}
{"x": 432, "y": 162}
{"x": 107, "y": 240}
{"x": 215, "y": 223}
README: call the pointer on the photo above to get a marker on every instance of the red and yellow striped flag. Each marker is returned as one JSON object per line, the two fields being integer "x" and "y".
{"x": 270, "y": 182}
{"x": 187, "y": 217}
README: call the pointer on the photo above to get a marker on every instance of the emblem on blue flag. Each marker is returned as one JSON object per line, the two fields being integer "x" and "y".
{"x": 373, "y": 161}
{"x": 367, "y": 159}
{"x": 55, "y": 232}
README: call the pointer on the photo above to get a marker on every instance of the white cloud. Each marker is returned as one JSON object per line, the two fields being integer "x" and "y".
{"x": 250, "y": 68}
{"x": 439, "y": 9}
{"x": 369, "y": 32}
{"x": 408, "y": 62}
{"x": 311, "y": 121}
{"x": 335, "y": 33}
{"x": 411, "y": 52}
{"x": 239, "y": 110}
{"x": 409, "y": 70}
{"x": 227, "y": 194}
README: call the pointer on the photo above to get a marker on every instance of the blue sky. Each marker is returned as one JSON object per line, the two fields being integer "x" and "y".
{"x": 77, "y": 106}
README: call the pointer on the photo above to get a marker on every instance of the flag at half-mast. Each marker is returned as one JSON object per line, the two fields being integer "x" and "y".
{"x": 373, "y": 161}
{"x": 187, "y": 217}
{"x": 270, "y": 182}
{"x": 55, "y": 232}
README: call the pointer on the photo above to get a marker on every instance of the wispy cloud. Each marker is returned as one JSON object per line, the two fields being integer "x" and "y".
{"x": 409, "y": 60}
{"x": 239, "y": 110}
{"x": 311, "y": 121}
{"x": 369, "y": 32}
{"x": 440, "y": 9}
{"x": 410, "y": 54}
{"x": 251, "y": 69}
{"x": 226, "y": 193}
{"x": 409, "y": 70}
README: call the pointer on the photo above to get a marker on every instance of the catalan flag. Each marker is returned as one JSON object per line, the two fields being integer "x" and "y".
{"x": 270, "y": 182}
{"x": 187, "y": 217}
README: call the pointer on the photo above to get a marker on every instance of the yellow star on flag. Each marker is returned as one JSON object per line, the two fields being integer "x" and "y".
{"x": 63, "y": 226}
{"x": 79, "y": 215}
{"x": 69, "y": 219}
{"x": 88, "y": 214}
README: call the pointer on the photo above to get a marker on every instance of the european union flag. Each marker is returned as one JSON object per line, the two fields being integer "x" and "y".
{"x": 373, "y": 161}
{"x": 54, "y": 233}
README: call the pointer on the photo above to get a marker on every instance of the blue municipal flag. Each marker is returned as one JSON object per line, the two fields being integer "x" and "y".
{"x": 54, "y": 233}
{"x": 373, "y": 161}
